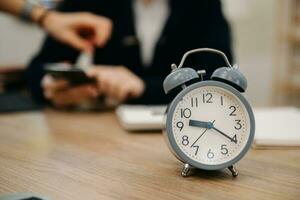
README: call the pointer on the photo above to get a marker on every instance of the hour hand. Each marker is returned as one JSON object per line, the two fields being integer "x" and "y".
{"x": 201, "y": 124}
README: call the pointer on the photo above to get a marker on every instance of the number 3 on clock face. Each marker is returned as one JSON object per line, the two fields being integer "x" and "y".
{"x": 210, "y": 125}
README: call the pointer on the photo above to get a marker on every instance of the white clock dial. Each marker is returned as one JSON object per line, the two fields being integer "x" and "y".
{"x": 211, "y": 125}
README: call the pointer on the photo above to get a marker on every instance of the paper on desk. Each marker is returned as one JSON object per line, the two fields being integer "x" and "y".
{"x": 277, "y": 127}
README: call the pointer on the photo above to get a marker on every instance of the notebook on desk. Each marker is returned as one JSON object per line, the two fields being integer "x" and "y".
{"x": 275, "y": 127}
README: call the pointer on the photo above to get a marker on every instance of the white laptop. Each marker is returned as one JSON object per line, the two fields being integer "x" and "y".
{"x": 140, "y": 117}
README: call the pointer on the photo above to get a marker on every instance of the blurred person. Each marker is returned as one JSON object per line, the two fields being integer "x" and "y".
{"x": 148, "y": 36}
{"x": 64, "y": 27}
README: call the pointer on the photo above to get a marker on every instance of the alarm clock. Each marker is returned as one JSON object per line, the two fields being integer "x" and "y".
{"x": 209, "y": 125}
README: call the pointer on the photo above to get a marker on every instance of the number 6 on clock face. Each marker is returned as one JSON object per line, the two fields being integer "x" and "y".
{"x": 210, "y": 125}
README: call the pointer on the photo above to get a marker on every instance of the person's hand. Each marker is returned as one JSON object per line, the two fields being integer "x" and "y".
{"x": 61, "y": 94}
{"x": 70, "y": 28}
{"x": 117, "y": 82}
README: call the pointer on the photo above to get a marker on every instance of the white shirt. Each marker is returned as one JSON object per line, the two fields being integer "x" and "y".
{"x": 150, "y": 20}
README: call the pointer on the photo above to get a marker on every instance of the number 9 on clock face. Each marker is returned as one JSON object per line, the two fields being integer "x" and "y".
{"x": 210, "y": 125}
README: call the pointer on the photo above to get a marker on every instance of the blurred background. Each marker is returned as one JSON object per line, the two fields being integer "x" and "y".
{"x": 266, "y": 45}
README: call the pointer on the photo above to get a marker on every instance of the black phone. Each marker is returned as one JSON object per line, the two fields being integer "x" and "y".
{"x": 68, "y": 72}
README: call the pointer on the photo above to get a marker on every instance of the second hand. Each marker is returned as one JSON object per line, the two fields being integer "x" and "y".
{"x": 201, "y": 135}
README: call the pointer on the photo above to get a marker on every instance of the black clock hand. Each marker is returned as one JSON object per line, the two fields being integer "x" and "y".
{"x": 201, "y": 124}
{"x": 193, "y": 122}
{"x": 231, "y": 139}
{"x": 199, "y": 137}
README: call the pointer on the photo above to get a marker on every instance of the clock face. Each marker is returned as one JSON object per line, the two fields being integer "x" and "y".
{"x": 210, "y": 125}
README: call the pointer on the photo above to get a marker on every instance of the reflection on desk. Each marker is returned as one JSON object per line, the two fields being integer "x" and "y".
{"x": 88, "y": 156}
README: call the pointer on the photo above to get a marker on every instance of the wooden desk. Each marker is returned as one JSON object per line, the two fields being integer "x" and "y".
{"x": 88, "y": 156}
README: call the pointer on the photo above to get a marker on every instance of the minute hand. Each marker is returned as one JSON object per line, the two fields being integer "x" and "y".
{"x": 231, "y": 139}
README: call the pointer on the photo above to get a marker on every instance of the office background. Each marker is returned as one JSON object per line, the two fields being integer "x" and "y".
{"x": 91, "y": 155}
{"x": 256, "y": 32}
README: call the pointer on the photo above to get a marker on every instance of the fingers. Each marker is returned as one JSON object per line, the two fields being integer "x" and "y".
{"x": 74, "y": 96}
{"x": 61, "y": 94}
{"x": 117, "y": 83}
{"x": 73, "y": 39}
{"x": 118, "y": 91}
{"x": 122, "y": 92}
{"x": 50, "y": 85}
{"x": 101, "y": 26}
{"x": 103, "y": 32}
{"x": 102, "y": 75}
{"x": 68, "y": 28}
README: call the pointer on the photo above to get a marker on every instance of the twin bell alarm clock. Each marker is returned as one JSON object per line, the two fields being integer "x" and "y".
{"x": 209, "y": 124}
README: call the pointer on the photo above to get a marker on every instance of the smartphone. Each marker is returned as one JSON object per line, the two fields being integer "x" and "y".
{"x": 68, "y": 72}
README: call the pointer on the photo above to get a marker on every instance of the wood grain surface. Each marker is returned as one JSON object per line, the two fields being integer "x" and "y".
{"x": 77, "y": 155}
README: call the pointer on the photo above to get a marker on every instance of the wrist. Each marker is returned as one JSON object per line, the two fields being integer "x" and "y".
{"x": 36, "y": 13}
{"x": 41, "y": 16}
{"x": 47, "y": 18}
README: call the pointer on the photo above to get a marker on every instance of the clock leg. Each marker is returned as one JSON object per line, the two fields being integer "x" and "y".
{"x": 185, "y": 170}
{"x": 233, "y": 171}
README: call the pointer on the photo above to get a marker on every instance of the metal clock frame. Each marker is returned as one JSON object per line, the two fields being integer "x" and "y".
{"x": 169, "y": 136}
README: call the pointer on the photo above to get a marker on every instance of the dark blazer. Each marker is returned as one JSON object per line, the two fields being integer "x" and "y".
{"x": 192, "y": 24}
